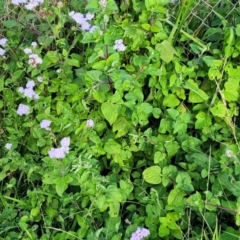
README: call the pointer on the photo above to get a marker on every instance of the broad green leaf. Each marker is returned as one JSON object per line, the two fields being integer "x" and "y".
{"x": 218, "y": 110}
{"x": 163, "y": 231}
{"x": 171, "y": 101}
{"x": 165, "y": 125}
{"x": 101, "y": 203}
{"x": 72, "y": 62}
{"x": 203, "y": 120}
{"x": 152, "y": 175}
{"x": 166, "y": 51}
{"x": 135, "y": 95}
{"x": 112, "y": 147}
{"x": 99, "y": 65}
{"x": 113, "y": 59}
{"x": 110, "y": 112}
{"x": 171, "y": 147}
{"x": 113, "y": 194}
{"x": 231, "y": 91}
{"x": 159, "y": 156}
{"x": 62, "y": 184}
{"x": 196, "y": 94}
{"x": 9, "y": 23}
{"x": 122, "y": 126}
{"x": 52, "y": 56}
{"x": 176, "y": 197}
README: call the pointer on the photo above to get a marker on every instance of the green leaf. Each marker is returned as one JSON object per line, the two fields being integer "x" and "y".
{"x": 99, "y": 65}
{"x": 62, "y": 184}
{"x": 9, "y": 23}
{"x": 171, "y": 147}
{"x": 196, "y": 94}
{"x": 176, "y": 197}
{"x": 218, "y": 110}
{"x": 122, "y": 126}
{"x": 152, "y": 175}
{"x": 171, "y": 101}
{"x": 166, "y": 51}
{"x": 112, "y": 147}
{"x": 159, "y": 156}
{"x": 52, "y": 56}
{"x": 110, "y": 112}
{"x": 231, "y": 91}
{"x": 163, "y": 231}
{"x": 165, "y": 125}
{"x": 203, "y": 120}
{"x": 72, "y": 62}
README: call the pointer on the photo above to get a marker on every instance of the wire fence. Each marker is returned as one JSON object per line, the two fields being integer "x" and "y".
{"x": 206, "y": 18}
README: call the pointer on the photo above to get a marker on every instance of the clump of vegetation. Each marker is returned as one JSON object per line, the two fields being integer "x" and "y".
{"x": 118, "y": 120}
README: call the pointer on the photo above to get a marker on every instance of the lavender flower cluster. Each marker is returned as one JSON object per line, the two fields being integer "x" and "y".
{"x": 28, "y": 91}
{"x": 3, "y": 42}
{"x": 140, "y": 233}
{"x": 28, "y": 4}
{"x": 61, "y": 151}
{"x": 83, "y": 21}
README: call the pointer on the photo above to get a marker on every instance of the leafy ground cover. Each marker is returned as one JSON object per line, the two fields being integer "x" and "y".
{"x": 118, "y": 122}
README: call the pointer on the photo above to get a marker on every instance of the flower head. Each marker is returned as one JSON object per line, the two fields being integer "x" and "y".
{"x": 2, "y": 52}
{"x": 33, "y": 44}
{"x": 23, "y": 109}
{"x": 45, "y": 124}
{"x": 102, "y": 3}
{"x": 90, "y": 123}
{"x": 140, "y": 233}
{"x": 34, "y": 60}
{"x": 65, "y": 142}
{"x": 8, "y": 146}
{"x": 3, "y": 41}
{"x": 119, "y": 46}
{"x": 40, "y": 79}
{"x": 27, "y": 50}
{"x": 229, "y": 153}
{"x": 61, "y": 151}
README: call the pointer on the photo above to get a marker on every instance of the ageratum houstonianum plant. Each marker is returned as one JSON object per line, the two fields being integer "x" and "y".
{"x": 107, "y": 124}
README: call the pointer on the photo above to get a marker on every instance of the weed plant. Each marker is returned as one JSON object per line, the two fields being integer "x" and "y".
{"x": 111, "y": 128}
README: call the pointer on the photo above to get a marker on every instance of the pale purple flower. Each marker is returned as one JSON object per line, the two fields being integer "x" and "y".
{"x": 33, "y": 44}
{"x": 23, "y": 109}
{"x": 21, "y": 90}
{"x": 56, "y": 153}
{"x": 89, "y": 16}
{"x": 140, "y": 233}
{"x": 229, "y": 153}
{"x": 17, "y": 2}
{"x": 85, "y": 26}
{"x": 93, "y": 28}
{"x": 103, "y": 3}
{"x": 59, "y": 4}
{"x": 90, "y": 123}
{"x": 119, "y": 46}
{"x": 8, "y": 146}
{"x": 34, "y": 60}
{"x": 77, "y": 17}
{"x": 2, "y": 52}
{"x": 62, "y": 151}
{"x": 3, "y": 41}
{"x": 30, "y": 84}
{"x": 31, "y": 4}
{"x": 40, "y": 79}
{"x": 28, "y": 50}
{"x": 65, "y": 142}
{"x": 29, "y": 92}
{"x": 45, "y": 124}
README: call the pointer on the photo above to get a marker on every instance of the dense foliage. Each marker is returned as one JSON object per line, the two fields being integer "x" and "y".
{"x": 117, "y": 121}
